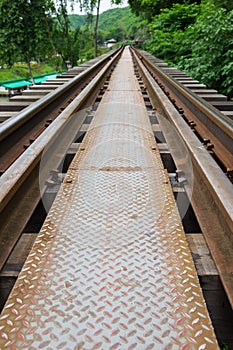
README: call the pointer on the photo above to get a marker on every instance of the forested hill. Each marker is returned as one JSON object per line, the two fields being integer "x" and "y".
{"x": 194, "y": 35}
{"x": 119, "y": 23}
{"x": 77, "y": 20}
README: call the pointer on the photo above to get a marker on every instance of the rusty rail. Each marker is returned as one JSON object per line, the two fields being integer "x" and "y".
{"x": 215, "y": 129}
{"x": 111, "y": 268}
{"x": 210, "y": 191}
{"x": 19, "y": 132}
{"x": 21, "y": 187}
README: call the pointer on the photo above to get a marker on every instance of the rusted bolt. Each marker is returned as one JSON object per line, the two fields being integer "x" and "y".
{"x": 48, "y": 122}
{"x": 192, "y": 123}
{"x": 209, "y": 146}
{"x": 206, "y": 141}
{"x": 180, "y": 110}
{"x": 180, "y": 178}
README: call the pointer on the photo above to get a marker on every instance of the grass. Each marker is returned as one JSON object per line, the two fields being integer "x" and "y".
{"x": 19, "y": 71}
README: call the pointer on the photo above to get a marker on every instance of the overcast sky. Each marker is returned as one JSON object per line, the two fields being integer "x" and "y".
{"x": 104, "y": 5}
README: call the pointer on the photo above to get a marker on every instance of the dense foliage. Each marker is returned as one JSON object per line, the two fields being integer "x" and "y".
{"x": 150, "y": 8}
{"x": 197, "y": 38}
{"x": 119, "y": 23}
{"x": 24, "y": 30}
{"x": 43, "y": 31}
{"x": 168, "y": 32}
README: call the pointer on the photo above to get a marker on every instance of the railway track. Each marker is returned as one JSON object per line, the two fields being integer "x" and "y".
{"x": 194, "y": 140}
{"x": 18, "y": 132}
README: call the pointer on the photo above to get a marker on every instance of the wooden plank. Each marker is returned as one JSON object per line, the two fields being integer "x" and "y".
{"x": 19, "y": 254}
{"x": 204, "y": 91}
{"x": 201, "y": 255}
{"x": 156, "y": 127}
{"x": 25, "y": 98}
{"x": 215, "y": 296}
{"x": 228, "y": 113}
{"x": 213, "y": 97}
{"x": 84, "y": 127}
{"x": 188, "y": 81}
{"x": 219, "y": 308}
{"x": 36, "y": 92}
{"x": 6, "y": 284}
{"x": 47, "y": 86}
{"x": 13, "y": 106}
{"x": 22, "y": 248}
{"x": 7, "y": 114}
{"x": 194, "y": 86}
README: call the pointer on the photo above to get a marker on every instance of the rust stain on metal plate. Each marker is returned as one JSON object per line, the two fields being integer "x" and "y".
{"x": 111, "y": 268}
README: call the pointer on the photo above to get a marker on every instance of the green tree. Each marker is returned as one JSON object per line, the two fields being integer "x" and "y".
{"x": 64, "y": 38}
{"x": 89, "y": 6}
{"x": 170, "y": 32}
{"x": 150, "y": 8}
{"x": 86, "y": 43}
{"x": 25, "y": 30}
{"x": 227, "y": 4}
{"x": 197, "y": 39}
{"x": 61, "y": 33}
{"x": 211, "y": 43}
{"x": 120, "y": 24}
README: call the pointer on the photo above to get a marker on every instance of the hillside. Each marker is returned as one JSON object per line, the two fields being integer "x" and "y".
{"x": 118, "y": 23}
{"x": 77, "y": 21}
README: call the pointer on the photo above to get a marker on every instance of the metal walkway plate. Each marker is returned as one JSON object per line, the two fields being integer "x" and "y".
{"x": 111, "y": 268}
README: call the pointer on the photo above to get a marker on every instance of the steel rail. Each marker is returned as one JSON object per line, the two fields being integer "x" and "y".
{"x": 17, "y": 133}
{"x": 216, "y": 125}
{"x": 212, "y": 192}
{"x": 12, "y": 124}
{"x": 55, "y": 140}
{"x": 111, "y": 271}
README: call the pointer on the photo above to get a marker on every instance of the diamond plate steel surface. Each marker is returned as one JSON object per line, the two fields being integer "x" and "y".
{"x": 111, "y": 268}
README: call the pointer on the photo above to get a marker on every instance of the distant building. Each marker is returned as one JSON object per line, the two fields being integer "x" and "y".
{"x": 111, "y": 42}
